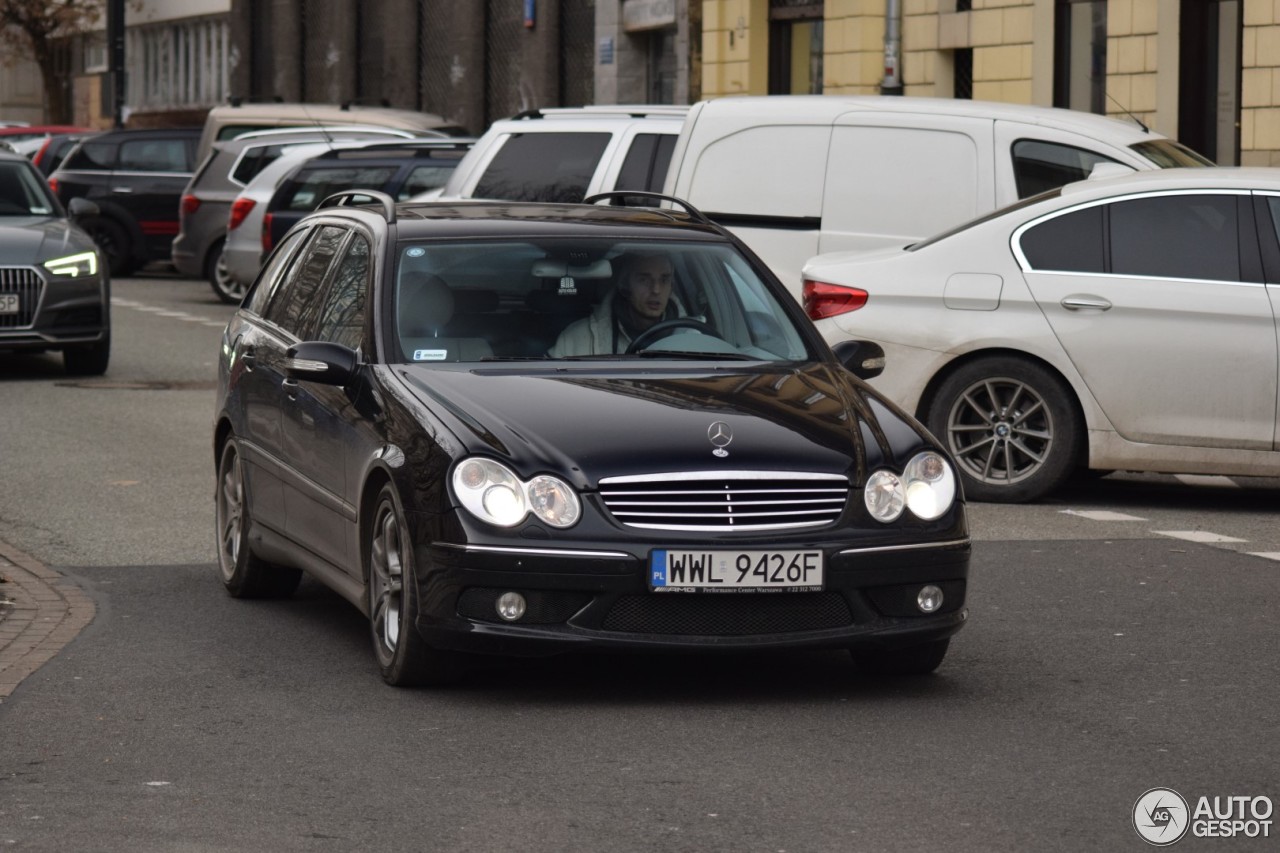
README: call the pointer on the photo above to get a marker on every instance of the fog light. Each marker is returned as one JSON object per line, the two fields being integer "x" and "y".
{"x": 929, "y": 600}
{"x": 511, "y": 605}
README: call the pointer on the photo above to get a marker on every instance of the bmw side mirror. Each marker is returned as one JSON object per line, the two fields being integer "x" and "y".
{"x": 82, "y": 207}
{"x": 864, "y": 359}
{"x": 321, "y": 361}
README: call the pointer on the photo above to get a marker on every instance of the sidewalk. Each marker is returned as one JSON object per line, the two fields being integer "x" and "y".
{"x": 40, "y": 612}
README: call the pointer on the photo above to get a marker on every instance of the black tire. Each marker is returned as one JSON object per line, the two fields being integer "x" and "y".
{"x": 403, "y": 655}
{"x": 227, "y": 288}
{"x": 90, "y": 360}
{"x": 915, "y": 660}
{"x": 1011, "y": 427}
{"x": 243, "y": 574}
{"x": 115, "y": 242}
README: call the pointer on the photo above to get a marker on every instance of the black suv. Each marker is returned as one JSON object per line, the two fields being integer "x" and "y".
{"x": 399, "y": 169}
{"x": 693, "y": 469}
{"x": 136, "y": 177}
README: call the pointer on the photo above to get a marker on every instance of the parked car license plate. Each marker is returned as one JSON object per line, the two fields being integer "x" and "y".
{"x": 9, "y": 303}
{"x": 735, "y": 571}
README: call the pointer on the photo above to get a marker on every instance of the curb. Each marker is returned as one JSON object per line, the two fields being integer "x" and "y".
{"x": 46, "y": 612}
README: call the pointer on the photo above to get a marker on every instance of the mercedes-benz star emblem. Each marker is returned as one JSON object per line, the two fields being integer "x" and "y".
{"x": 720, "y": 435}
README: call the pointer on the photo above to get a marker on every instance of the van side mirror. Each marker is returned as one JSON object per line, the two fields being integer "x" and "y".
{"x": 864, "y": 359}
{"x": 321, "y": 361}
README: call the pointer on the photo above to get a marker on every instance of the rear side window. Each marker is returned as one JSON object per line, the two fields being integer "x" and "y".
{"x": 1176, "y": 236}
{"x": 548, "y": 167}
{"x": 1068, "y": 243}
{"x": 294, "y": 306}
{"x": 308, "y": 189}
{"x": 257, "y": 299}
{"x": 93, "y": 156}
{"x": 645, "y": 167}
{"x": 1039, "y": 166}
{"x": 154, "y": 155}
{"x": 424, "y": 178}
{"x": 253, "y": 160}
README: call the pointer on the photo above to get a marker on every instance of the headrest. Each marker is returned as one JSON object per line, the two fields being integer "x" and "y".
{"x": 426, "y": 304}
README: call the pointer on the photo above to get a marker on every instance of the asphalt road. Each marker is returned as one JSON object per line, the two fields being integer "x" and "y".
{"x": 1119, "y": 640}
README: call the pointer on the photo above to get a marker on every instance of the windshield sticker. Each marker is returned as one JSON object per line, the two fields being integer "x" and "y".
{"x": 430, "y": 354}
{"x": 416, "y": 252}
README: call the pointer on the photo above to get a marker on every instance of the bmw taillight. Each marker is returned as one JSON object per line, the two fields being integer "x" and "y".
{"x": 239, "y": 210}
{"x": 190, "y": 204}
{"x": 827, "y": 300}
{"x": 266, "y": 233}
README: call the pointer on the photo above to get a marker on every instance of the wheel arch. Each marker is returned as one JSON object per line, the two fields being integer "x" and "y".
{"x": 221, "y": 432}
{"x": 377, "y": 478}
{"x": 931, "y": 388}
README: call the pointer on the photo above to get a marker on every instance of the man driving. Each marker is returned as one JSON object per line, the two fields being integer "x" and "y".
{"x": 641, "y": 298}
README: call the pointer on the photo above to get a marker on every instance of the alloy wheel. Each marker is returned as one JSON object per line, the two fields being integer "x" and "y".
{"x": 386, "y": 578}
{"x": 230, "y": 512}
{"x": 1000, "y": 431}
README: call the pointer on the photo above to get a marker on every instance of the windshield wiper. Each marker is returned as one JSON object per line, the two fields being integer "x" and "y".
{"x": 697, "y": 356}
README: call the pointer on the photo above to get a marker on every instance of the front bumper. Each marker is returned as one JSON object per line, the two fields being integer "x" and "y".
{"x": 599, "y": 599}
{"x": 54, "y": 313}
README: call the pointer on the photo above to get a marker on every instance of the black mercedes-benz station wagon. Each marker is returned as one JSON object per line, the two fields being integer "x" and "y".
{"x": 521, "y": 429}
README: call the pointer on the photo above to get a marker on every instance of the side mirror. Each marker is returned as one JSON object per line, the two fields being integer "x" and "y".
{"x": 82, "y": 207}
{"x": 321, "y": 361}
{"x": 864, "y": 359}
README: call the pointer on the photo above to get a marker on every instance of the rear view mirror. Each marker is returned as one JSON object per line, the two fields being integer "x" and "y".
{"x": 81, "y": 207}
{"x": 864, "y": 359}
{"x": 548, "y": 268}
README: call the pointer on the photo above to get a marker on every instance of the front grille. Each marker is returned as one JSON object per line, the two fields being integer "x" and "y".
{"x": 728, "y": 614}
{"x": 726, "y": 501}
{"x": 27, "y": 283}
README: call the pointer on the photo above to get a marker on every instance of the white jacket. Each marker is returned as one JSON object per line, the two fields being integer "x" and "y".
{"x": 593, "y": 335}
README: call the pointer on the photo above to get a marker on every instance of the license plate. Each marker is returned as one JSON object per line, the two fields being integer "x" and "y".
{"x": 735, "y": 571}
{"x": 9, "y": 303}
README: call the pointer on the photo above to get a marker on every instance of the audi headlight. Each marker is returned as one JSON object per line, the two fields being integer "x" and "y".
{"x": 492, "y": 493}
{"x": 74, "y": 266}
{"x": 927, "y": 487}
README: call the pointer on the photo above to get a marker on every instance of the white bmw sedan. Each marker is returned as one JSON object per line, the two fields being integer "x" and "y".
{"x": 1120, "y": 323}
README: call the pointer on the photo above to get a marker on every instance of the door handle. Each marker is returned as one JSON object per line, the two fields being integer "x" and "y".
{"x": 1085, "y": 303}
{"x": 122, "y": 189}
{"x": 290, "y": 387}
{"x": 250, "y": 358}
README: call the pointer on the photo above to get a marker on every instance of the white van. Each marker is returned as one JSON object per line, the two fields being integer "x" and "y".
{"x": 796, "y": 176}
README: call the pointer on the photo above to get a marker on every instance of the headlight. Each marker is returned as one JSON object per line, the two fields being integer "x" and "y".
{"x": 74, "y": 266}
{"x": 927, "y": 487}
{"x": 492, "y": 493}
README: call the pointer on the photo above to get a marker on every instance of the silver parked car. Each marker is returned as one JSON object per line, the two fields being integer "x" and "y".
{"x": 1121, "y": 323}
{"x": 206, "y": 202}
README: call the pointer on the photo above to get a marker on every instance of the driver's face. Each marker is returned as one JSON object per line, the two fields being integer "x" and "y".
{"x": 649, "y": 287}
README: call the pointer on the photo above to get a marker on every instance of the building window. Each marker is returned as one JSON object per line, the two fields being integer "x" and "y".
{"x": 795, "y": 47}
{"x": 177, "y": 66}
{"x": 963, "y": 81}
{"x": 1080, "y": 55}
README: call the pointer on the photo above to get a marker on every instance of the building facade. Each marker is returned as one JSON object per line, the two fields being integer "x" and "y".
{"x": 1204, "y": 71}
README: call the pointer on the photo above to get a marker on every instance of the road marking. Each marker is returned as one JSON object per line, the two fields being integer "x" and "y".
{"x": 1207, "y": 480}
{"x": 165, "y": 312}
{"x": 1198, "y": 536}
{"x": 1266, "y": 555}
{"x": 1101, "y": 515}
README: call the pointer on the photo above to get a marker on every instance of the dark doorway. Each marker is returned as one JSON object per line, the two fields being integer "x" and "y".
{"x": 1209, "y": 79}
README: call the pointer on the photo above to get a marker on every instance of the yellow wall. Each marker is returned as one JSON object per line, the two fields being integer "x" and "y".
{"x": 735, "y": 47}
{"x": 1260, "y": 84}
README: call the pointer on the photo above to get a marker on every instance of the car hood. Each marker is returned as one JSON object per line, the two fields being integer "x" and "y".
{"x": 587, "y": 424}
{"x": 29, "y": 240}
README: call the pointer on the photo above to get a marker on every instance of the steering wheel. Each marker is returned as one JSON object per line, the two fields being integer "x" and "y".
{"x": 666, "y": 327}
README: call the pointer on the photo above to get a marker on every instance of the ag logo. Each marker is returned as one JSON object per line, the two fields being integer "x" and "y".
{"x": 1161, "y": 816}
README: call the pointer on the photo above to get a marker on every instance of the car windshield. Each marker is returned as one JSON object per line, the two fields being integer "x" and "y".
{"x": 23, "y": 192}
{"x": 1169, "y": 154}
{"x": 587, "y": 299}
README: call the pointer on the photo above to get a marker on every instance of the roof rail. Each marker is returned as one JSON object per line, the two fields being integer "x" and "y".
{"x": 619, "y": 197}
{"x": 604, "y": 110}
{"x": 347, "y": 198}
